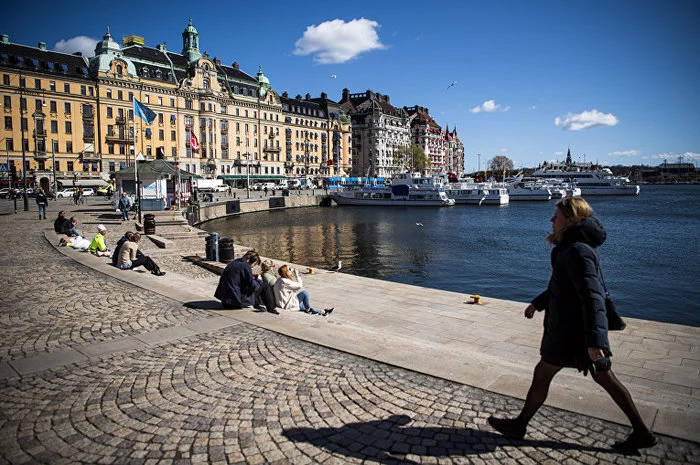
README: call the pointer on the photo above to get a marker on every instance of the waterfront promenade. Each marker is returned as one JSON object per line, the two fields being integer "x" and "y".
{"x": 106, "y": 366}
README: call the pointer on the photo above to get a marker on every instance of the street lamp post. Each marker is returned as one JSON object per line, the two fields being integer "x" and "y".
{"x": 24, "y": 155}
{"x": 247, "y": 170}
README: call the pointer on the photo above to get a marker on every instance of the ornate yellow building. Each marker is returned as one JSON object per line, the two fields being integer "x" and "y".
{"x": 77, "y": 115}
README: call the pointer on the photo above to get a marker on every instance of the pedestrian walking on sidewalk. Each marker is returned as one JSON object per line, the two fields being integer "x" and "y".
{"x": 575, "y": 322}
{"x": 42, "y": 201}
{"x": 124, "y": 205}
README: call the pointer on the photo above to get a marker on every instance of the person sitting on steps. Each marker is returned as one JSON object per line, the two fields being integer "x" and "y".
{"x": 129, "y": 260}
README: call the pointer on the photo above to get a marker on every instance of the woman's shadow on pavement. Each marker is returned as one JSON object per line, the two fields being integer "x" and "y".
{"x": 389, "y": 442}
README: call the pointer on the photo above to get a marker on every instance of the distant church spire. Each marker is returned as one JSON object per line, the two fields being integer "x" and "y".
{"x": 568, "y": 156}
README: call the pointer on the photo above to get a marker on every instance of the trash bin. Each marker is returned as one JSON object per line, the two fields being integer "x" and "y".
{"x": 149, "y": 223}
{"x": 226, "y": 250}
{"x": 211, "y": 247}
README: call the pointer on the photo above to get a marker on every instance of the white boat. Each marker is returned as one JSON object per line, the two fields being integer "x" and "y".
{"x": 478, "y": 194}
{"x": 522, "y": 189}
{"x": 592, "y": 182}
{"x": 406, "y": 190}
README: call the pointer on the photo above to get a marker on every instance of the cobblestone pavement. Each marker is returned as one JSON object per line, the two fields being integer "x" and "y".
{"x": 239, "y": 394}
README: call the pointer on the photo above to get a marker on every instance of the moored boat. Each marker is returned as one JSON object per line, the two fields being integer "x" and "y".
{"x": 521, "y": 189}
{"x": 478, "y": 194}
{"x": 592, "y": 182}
{"x": 405, "y": 190}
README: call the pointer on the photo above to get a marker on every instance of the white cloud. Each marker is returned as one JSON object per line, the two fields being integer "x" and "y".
{"x": 337, "y": 41}
{"x": 504, "y": 150}
{"x": 489, "y": 106}
{"x": 585, "y": 120}
{"x": 558, "y": 154}
{"x": 534, "y": 107}
{"x": 83, "y": 44}
{"x": 625, "y": 153}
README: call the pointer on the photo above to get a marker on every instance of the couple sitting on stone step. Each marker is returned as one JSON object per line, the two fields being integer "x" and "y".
{"x": 239, "y": 287}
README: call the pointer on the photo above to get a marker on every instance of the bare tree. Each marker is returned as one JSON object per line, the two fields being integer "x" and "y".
{"x": 500, "y": 164}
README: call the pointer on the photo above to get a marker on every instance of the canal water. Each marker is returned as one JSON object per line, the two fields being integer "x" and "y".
{"x": 651, "y": 259}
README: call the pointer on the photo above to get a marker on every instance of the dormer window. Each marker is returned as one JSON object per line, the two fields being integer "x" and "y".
{"x": 120, "y": 70}
{"x": 206, "y": 83}
{"x": 159, "y": 73}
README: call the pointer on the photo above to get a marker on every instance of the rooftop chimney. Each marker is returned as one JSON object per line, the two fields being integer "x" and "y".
{"x": 5, "y": 39}
{"x": 235, "y": 66}
{"x": 42, "y": 46}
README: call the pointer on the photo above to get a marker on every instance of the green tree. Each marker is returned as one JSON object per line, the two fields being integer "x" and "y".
{"x": 412, "y": 157}
{"x": 499, "y": 164}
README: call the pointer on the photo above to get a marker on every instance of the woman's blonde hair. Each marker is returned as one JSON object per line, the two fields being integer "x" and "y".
{"x": 575, "y": 210}
{"x": 284, "y": 271}
{"x": 267, "y": 265}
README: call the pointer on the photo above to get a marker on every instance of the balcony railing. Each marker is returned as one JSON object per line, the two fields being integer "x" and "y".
{"x": 120, "y": 120}
{"x": 90, "y": 157}
{"x": 119, "y": 138}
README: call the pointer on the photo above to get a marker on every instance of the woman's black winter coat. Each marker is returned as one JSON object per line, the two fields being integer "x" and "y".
{"x": 574, "y": 302}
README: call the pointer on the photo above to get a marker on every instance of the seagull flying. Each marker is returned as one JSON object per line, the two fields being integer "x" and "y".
{"x": 333, "y": 76}
{"x": 419, "y": 224}
{"x": 453, "y": 83}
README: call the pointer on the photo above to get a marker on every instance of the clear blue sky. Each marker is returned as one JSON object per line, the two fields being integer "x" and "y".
{"x": 616, "y": 81}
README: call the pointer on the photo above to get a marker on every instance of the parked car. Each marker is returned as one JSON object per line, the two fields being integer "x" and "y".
{"x": 68, "y": 192}
{"x": 5, "y": 193}
{"x": 88, "y": 191}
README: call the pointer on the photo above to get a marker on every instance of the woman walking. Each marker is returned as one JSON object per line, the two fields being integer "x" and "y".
{"x": 575, "y": 322}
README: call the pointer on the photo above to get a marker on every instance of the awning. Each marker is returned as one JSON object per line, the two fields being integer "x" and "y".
{"x": 253, "y": 177}
{"x": 92, "y": 182}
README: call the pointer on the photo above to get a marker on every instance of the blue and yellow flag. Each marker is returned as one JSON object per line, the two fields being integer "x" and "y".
{"x": 143, "y": 112}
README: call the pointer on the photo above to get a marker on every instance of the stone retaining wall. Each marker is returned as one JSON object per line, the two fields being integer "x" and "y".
{"x": 211, "y": 211}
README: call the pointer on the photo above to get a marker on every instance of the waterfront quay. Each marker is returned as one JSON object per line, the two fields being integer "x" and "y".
{"x": 100, "y": 365}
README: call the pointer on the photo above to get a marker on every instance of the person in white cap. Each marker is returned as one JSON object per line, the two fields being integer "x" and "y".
{"x": 98, "y": 246}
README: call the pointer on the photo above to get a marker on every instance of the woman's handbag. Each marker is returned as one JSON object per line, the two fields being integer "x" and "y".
{"x": 615, "y": 321}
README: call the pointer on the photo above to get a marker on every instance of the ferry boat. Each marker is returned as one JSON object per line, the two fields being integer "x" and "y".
{"x": 478, "y": 194}
{"x": 406, "y": 190}
{"x": 591, "y": 182}
{"x": 527, "y": 189}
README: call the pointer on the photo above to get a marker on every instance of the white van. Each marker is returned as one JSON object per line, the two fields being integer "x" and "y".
{"x": 291, "y": 183}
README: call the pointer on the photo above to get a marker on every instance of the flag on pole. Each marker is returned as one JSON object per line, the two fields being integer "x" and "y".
{"x": 194, "y": 143}
{"x": 143, "y": 112}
